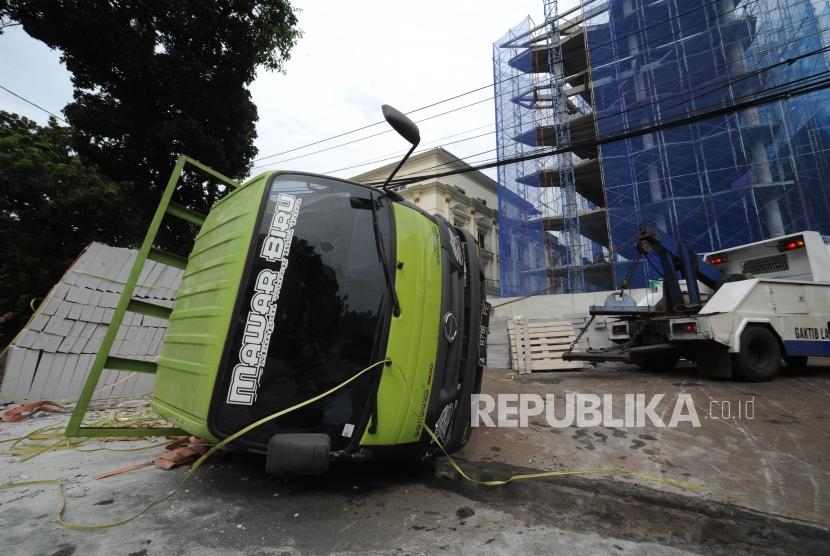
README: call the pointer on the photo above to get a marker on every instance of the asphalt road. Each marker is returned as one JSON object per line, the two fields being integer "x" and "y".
{"x": 232, "y": 507}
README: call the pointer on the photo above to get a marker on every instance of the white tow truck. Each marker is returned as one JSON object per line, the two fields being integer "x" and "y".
{"x": 740, "y": 312}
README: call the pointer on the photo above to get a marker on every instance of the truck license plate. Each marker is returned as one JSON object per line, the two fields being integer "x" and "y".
{"x": 482, "y": 334}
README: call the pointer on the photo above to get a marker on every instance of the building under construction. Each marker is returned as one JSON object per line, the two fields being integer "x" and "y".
{"x": 666, "y": 113}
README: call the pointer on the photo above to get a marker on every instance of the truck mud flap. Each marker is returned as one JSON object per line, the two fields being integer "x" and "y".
{"x": 714, "y": 360}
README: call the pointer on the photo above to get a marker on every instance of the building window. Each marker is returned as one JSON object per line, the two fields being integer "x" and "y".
{"x": 481, "y": 240}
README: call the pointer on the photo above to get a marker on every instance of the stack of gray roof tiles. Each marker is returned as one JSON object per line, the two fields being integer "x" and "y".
{"x": 51, "y": 357}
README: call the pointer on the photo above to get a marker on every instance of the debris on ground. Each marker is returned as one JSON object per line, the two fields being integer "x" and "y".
{"x": 178, "y": 453}
{"x": 19, "y": 413}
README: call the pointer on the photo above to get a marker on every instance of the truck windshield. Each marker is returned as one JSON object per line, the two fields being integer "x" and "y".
{"x": 315, "y": 274}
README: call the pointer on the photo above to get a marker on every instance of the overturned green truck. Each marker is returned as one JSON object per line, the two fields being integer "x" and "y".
{"x": 294, "y": 284}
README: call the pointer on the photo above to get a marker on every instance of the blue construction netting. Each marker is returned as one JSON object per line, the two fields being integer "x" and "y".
{"x": 521, "y": 237}
{"x": 712, "y": 184}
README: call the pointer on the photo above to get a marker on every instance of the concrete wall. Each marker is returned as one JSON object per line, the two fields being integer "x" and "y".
{"x": 570, "y": 307}
{"x": 560, "y": 305}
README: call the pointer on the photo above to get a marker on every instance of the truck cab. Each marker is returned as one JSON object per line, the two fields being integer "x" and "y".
{"x": 298, "y": 281}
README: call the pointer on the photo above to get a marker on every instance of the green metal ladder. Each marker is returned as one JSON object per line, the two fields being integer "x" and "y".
{"x": 103, "y": 359}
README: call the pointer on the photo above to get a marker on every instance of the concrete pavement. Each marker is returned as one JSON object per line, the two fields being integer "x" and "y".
{"x": 777, "y": 461}
{"x": 232, "y": 507}
{"x": 764, "y": 486}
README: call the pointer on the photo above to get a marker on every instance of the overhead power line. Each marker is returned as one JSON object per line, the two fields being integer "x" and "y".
{"x": 399, "y": 153}
{"x": 765, "y": 99}
{"x": 436, "y": 103}
{"x": 27, "y": 101}
{"x": 577, "y": 145}
{"x": 371, "y": 136}
{"x": 682, "y": 101}
{"x": 610, "y": 100}
{"x": 670, "y": 34}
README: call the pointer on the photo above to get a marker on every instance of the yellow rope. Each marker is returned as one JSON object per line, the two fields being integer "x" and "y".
{"x": 84, "y": 527}
{"x": 198, "y": 463}
{"x": 36, "y": 442}
{"x": 548, "y": 474}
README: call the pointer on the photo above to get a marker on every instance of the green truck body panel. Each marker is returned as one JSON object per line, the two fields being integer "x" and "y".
{"x": 403, "y": 396}
{"x": 195, "y": 339}
{"x": 200, "y": 320}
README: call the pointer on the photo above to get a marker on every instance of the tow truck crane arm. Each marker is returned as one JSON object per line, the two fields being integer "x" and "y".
{"x": 674, "y": 256}
{"x": 676, "y": 261}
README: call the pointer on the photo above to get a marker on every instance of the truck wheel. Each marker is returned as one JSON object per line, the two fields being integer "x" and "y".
{"x": 759, "y": 358}
{"x": 462, "y": 426}
{"x": 796, "y": 361}
{"x": 665, "y": 361}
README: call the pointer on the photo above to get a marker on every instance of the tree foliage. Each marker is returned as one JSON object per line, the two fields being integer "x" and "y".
{"x": 156, "y": 78}
{"x": 51, "y": 206}
{"x": 152, "y": 79}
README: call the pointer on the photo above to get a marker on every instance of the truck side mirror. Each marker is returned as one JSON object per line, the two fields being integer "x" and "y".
{"x": 407, "y": 129}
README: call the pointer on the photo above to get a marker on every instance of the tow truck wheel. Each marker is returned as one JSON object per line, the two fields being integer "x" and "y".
{"x": 759, "y": 358}
{"x": 796, "y": 361}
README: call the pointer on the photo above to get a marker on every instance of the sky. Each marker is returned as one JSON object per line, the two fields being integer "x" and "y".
{"x": 353, "y": 57}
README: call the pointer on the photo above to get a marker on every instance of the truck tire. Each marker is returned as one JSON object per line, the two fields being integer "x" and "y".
{"x": 462, "y": 421}
{"x": 796, "y": 361}
{"x": 759, "y": 358}
{"x": 664, "y": 361}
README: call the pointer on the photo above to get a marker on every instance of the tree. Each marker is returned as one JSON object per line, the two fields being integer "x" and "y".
{"x": 51, "y": 206}
{"x": 153, "y": 79}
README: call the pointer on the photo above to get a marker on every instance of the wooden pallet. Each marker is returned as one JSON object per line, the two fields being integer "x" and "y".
{"x": 539, "y": 345}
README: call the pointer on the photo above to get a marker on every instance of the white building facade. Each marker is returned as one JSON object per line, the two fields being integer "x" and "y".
{"x": 468, "y": 200}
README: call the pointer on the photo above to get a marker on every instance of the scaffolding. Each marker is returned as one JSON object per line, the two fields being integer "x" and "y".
{"x": 522, "y": 246}
{"x": 609, "y": 67}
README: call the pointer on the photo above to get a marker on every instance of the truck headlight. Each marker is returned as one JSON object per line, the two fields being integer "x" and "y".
{"x": 455, "y": 245}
